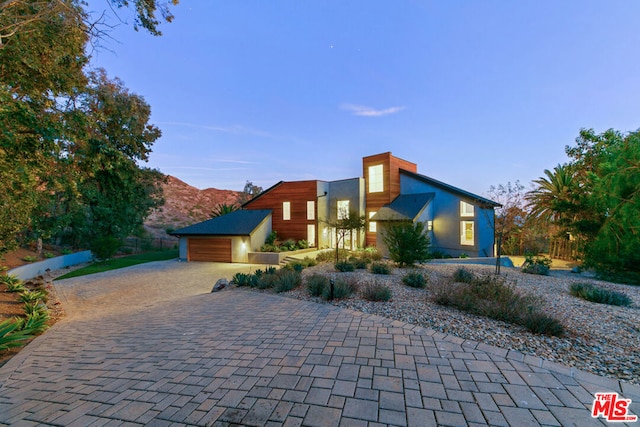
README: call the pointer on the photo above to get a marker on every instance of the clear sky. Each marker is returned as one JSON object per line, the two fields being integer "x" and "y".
{"x": 475, "y": 92}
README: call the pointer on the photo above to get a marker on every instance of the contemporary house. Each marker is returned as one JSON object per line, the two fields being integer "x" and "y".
{"x": 458, "y": 222}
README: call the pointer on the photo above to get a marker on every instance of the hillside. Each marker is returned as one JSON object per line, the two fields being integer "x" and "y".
{"x": 185, "y": 205}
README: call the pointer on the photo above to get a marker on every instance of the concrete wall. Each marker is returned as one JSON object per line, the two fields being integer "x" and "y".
{"x": 446, "y": 220}
{"x": 260, "y": 234}
{"x": 29, "y": 271}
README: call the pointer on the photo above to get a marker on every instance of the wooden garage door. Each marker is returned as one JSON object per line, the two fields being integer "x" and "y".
{"x": 210, "y": 250}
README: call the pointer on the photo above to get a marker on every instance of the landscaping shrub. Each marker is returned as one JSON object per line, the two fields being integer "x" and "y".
{"x": 415, "y": 279}
{"x": 408, "y": 243}
{"x": 105, "y": 247}
{"x": 33, "y": 296}
{"x": 242, "y": 279}
{"x": 369, "y": 254}
{"x": 30, "y": 258}
{"x": 380, "y": 268}
{"x": 342, "y": 288}
{"x": 490, "y": 296}
{"x": 316, "y": 284}
{"x": 540, "y": 323}
{"x": 9, "y": 280}
{"x": 11, "y": 335}
{"x": 358, "y": 263}
{"x": 599, "y": 294}
{"x": 302, "y": 244}
{"x": 344, "y": 266}
{"x": 376, "y": 292}
{"x": 462, "y": 275}
{"x": 309, "y": 262}
{"x": 286, "y": 280}
{"x": 536, "y": 265}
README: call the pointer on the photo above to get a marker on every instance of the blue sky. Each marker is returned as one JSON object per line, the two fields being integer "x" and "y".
{"x": 477, "y": 93}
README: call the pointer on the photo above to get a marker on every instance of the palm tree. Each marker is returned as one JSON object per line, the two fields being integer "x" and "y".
{"x": 553, "y": 202}
{"x": 223, "y": 209}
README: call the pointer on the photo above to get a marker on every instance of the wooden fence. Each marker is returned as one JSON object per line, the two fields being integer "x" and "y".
{"x": 564, "y": 249}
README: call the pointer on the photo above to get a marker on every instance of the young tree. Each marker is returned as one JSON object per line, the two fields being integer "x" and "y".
{"x": 346, "y": 223}
{"x": 509, "y": 216}
{"x": 407, "y": 242}
{"x": 249, "y": 192}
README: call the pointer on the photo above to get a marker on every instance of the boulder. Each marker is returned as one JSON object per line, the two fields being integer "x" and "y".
{"x": 220, "y": 285}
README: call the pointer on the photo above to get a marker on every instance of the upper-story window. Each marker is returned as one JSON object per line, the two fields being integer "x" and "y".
{"x": 286, "y": 211}
{"x": 343, "y": 209}
{"x": 466, "y": 209}
{"x": 311, "y": 209}
{"x": 376, "y": 183}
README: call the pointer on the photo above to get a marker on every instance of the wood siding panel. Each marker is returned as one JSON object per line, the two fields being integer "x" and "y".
{"x": 298, "y": 194}
{"x": 209, "y": 249}
{"x": 391, "y": 178}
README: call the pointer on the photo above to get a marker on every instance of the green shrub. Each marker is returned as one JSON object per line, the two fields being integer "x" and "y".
{"x": 344, "y": 266}
{"x": 36, "y": 322}
{"x": 369, "y": 254}
{"x": 309, "y": 262}
{"x": 380, "y": 268}
{"x": 33, "y": 308}
{"x": 330, "y": 255}
{"x": 267, "y": 281}
{"x": 289, "y": 245}
{"x": 490, "y": 296}
{"x": 376, "y": 292}
{"x": 16, "y": 287}
{"x": 105, "y": 247}
{"x": 9, "y": 280}
{"x": 407, "y": 242}
{"x": 48, "y": 255}
{"x": 30, "y": 258}
{"x": 11, "y": 336}
{"x": 540, "y": 323}
{"x": 302, "y": 244}
{"x": 462, "y": 275}
{"x": 286, "y": 280}
{"x": 358, "y": 263}
{"x": 32, "y": 296}
{"x": 295, "y": 266}
{"x": 599, "y": 294}
{"x": 316, "y": 284}
{"x": 415, "y": 279}
{"x": 342, "y": 288}
{"x": 66, "y": 251}
{"x": 536, "y": 265}
{"x": 242, "y": 279}
{"x": 270, "y": 270}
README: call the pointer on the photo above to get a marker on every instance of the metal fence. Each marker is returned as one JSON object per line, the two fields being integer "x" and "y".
{"x": 142, "y": 244}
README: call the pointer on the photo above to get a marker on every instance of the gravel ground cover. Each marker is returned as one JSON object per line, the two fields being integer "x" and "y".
{"x": 601, "y": 339}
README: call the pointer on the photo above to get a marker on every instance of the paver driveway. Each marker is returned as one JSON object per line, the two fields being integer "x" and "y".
{"x": 149, "y": 345}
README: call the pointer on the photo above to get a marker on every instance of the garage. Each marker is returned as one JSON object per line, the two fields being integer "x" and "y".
{"x": 218, "y": 250}
{"x": 226, "y": 238}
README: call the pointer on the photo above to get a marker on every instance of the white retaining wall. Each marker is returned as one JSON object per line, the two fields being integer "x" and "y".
{"x": 29, "y": 271}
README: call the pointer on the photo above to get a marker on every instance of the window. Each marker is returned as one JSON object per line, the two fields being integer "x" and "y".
{"x": 343, "y": 209}
{"x": 311, "y": 209}
{"x": 466, "y": 209}
{"x": 467, "y": 233}
{"x": 311, "y": 234}
{"x": 372, "y": 224}
{"x": 376, "y": 183}
{"x": 286, "y": 211}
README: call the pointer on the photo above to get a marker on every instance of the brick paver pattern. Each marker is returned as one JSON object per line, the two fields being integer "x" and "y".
{"x": 239, "y": 357}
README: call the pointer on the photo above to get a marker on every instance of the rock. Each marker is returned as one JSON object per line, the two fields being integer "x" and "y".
{"x": 220, "y": 285}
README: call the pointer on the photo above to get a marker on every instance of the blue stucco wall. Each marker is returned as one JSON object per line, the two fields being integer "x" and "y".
{"x": 445, "y": 211}
{"x": 29, "y": 271}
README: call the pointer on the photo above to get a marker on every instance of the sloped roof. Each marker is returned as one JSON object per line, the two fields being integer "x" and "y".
{"x": 404, "y": 207}
{"x": 237, "y": 223}
{"x": 450, "y": 188}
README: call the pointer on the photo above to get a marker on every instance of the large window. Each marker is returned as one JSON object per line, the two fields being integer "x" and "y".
{"x": 311, "y": 209}
{"x": 467, "y": 233}
{"x": 286, "y": 211}
{"x": 376, "y": 183}
{"x": 466, "y": 209}
{"x": 372, "y": 224}
{"x": 343, "y": 209}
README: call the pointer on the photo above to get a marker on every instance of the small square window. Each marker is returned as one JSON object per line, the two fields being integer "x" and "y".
{"x": 466, "y": 209}
{"x": 373, "y": 227}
